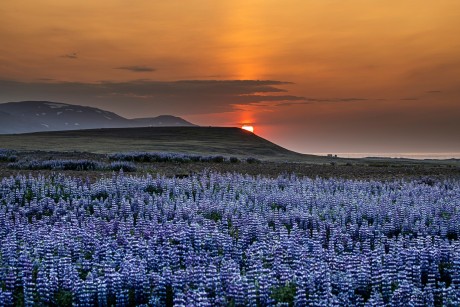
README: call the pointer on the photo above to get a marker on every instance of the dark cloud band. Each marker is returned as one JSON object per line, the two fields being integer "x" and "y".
{"x": 180, "y": 97}
{"x": 71, "y": 56}
{"x": 136, "y": 68}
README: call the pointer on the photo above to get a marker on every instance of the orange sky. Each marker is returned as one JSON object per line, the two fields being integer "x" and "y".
{"x": 379, "y": 75}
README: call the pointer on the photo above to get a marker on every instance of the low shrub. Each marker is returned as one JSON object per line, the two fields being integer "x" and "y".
{"x": 234, "y": 160}
{"x": 145, "y": 157}
{"x": 252, "y": 160}
{"x": 72, "y": 165}
{"x": 123, "y": 165}
{"x": 8, "y": 155}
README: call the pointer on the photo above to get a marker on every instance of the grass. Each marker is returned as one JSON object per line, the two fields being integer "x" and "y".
{"x": 205, "y": 141}
{"x": 192, "y": 140}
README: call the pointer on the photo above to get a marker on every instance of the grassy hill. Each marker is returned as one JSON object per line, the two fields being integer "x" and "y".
{"x": 196, "y": 140}
{"x": 207, "y": 141}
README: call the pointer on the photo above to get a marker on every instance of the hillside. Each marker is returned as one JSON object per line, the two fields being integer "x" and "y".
{"x": 199, "y": 140}
{"x": 36, "y": 116}
{"x": 209, "y": 141}
{"x": 224, "y": 141}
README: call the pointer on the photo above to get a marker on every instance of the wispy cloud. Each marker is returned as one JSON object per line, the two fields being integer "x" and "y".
{"x": 137, "y": 68}
{"x": 434, "y": 92}
{"x": 310, "y": 100}
{"x": 292, "y": 103}
{"x": 72, "y": 56}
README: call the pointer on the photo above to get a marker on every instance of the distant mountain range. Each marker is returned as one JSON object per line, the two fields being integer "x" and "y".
{"x": 36, "y": 116}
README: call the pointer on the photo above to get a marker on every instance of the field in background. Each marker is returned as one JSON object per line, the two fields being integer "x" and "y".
{"x": 240, "y": 145}
{"x": 224, "y": 141}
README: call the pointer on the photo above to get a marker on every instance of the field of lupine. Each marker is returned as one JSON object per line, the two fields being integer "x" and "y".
{"x": 123, "y": 161}
{"x": 215, "y": 239}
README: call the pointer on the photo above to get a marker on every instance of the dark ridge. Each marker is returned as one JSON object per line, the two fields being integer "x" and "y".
{"x": 226, "y": 141}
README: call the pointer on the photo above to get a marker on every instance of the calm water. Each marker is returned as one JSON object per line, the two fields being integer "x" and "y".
{"x": 411, "y": 155}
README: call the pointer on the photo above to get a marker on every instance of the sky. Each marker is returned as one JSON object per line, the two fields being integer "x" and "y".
{"x": 314, "y": 76}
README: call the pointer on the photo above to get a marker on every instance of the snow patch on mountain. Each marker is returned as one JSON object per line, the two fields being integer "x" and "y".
{"x": 56, "y": 105}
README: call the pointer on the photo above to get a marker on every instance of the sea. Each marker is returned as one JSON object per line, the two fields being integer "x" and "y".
{"x": 407, "y": 155}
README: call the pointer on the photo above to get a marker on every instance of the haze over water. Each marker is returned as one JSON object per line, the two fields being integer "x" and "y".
{"x": 408, "y": 155}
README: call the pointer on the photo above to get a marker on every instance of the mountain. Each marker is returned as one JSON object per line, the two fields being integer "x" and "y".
{"x": 11, "y": 124}
{"x": 160, "y": 121}
{"x": 36, "y": 116}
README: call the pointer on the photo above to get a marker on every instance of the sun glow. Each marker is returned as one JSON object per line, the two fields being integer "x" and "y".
{"x": 248, "y": 128}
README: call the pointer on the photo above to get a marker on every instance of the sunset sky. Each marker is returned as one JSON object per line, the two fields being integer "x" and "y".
{"x": 311, "y": 75}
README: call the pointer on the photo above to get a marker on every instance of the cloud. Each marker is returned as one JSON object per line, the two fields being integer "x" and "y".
{"x": 136, "y": 68}
{"x": 72, "y": 56}
{"x": 410, "y": 98}
{"x": 291, "y": 103}
{"x": 321, "y": 100}
{"x": 351, "y": 99}
{"x": 433, "y": 92}
{"x": 256, "y": 99}
{"x": 157, "y": 97}
{"x": 345, "y": 99}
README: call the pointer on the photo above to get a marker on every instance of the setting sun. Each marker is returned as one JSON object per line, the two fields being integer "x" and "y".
{"x": 248, "y": 128}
